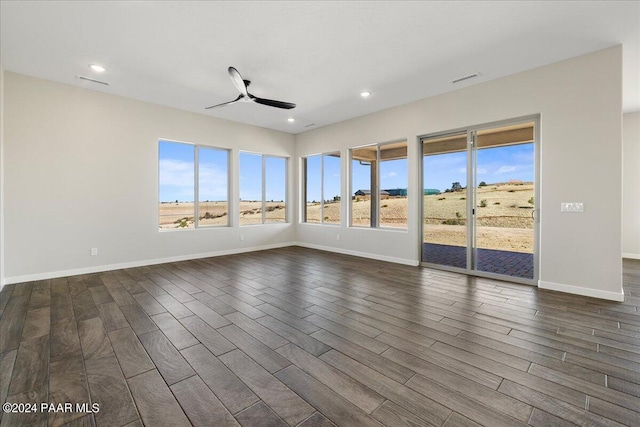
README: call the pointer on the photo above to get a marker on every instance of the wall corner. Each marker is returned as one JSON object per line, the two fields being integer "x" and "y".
{"x": 2, "y": 114}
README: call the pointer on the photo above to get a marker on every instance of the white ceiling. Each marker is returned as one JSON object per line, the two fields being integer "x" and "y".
{"x": 320, "y": 55}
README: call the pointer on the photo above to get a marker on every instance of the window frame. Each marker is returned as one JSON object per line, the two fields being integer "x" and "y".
{"x": 196, "y": 185}
{"x": 303, "y": 217}
{"x": 264, "y": 187}
{"x": 351, "y": 194}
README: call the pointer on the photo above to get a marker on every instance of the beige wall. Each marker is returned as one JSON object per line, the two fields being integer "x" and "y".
{"x": 631, "y": 185}
{"x": 81, "y": 171}
{"x": 580, "y": 105}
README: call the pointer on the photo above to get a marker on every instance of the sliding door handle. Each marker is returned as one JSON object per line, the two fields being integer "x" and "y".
{"x": 534, "y": 215}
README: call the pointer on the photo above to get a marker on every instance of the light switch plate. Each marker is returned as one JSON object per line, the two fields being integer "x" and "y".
{"x": 571, "y": 207}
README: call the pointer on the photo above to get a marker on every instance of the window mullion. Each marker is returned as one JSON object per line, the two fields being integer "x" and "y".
{"x": 229, "y": 187}
{"x": 196, "y": 189}
{"x": 378, "y": 188}
{"x": 322, "y": 189}
{"x": 286, "y": 190}
{"x": 264, "y": 188}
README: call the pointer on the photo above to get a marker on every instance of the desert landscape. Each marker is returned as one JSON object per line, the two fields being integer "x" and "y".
{"x": 504, "y": 215}
{"x": 504, "y": 218}
{"x": 180, "y": 215}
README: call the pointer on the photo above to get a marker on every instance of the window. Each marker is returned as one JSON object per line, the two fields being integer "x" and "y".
{"x": 379, "y": 181}
{"x": 178, "y": 166}
{"x": 321, "y": 174}
{"x": 213, "y": 186}
{"x": 250, "y": 189}
{"x": 263, "y": 188}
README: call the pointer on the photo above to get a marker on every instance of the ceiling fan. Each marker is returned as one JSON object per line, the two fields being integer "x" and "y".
{"x": 245, "y": 96}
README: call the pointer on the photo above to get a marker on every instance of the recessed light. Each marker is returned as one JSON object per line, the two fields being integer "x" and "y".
{"x": 365, "y": 94}
{"x": 291, "y": 120}
{"x": 97, "y": 68}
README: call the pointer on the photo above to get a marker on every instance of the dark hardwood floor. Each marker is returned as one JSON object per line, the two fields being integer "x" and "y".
{"x": 300, "y": 337}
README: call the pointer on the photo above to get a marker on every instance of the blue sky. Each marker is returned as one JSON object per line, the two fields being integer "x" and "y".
{"x": 393, "y": 174}
{"x": 176, "y": 172}
{"x": 176, "y": 168}
{"x": 498, "y": 164}
{"x": 331, "y": 177}
{"x": 314, "y": 176}
{"x": 251, "y": 177}
{"x": 275, "y": 177}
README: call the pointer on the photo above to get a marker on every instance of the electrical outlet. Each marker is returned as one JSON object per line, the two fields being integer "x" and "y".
{"x": 572, "y": 207}
{"x": 337, "y": 237}
{"x": 242, "y": 237}
{"x": 94, "y": 251}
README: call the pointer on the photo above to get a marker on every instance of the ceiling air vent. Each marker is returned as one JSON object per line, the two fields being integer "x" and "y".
{"x": 470, "y": 76}
{"x": 92, "y": 80}
{"x": 309, "y": 125}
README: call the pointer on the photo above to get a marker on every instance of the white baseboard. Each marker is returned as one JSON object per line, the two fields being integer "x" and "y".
{"x": 359, "y": 254}
{"x": 630, "y": 255}
{"x": 142, "y": 263}
{"x": 578, "y": 290}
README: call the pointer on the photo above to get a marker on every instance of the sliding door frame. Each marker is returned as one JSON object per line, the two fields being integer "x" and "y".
{"x": 471, "y": 132}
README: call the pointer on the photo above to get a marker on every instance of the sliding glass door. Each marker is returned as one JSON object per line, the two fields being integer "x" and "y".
{"x": 445, "y": 232}
{"x": 479, "y": 203}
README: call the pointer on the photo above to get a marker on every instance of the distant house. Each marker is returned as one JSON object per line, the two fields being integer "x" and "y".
{"x": 431, "y": 191}
{"x": 394, "y": 192}
{"x": 367, "y": 193}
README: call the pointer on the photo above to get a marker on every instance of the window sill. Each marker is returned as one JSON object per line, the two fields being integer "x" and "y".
{"x": 385, "y": 229}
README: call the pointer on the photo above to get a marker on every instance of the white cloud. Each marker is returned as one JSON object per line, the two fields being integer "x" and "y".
{"x": 390, "y": 178}
{"x": 505, "y": 169}
{"x": 213, "y": 182}
{"x": 464, "y": 170}
{"x": 176, "y": 173}
{"x": 176, "y": 176}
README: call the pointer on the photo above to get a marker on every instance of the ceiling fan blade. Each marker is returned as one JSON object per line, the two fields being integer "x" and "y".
{"x": 238, "y": 81}
{"x": 226, "y": 103}
{"x": 273, "y": 103}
